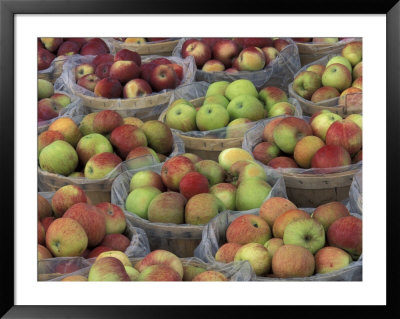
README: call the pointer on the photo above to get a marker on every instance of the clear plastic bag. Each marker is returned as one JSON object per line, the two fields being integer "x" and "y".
{"x": 197, "y": 90}
{"x": 356, "y": 193}
{"x": 254, "y": 136}
{"x": 279, "y": 72}
{"x": 214, "y": 237}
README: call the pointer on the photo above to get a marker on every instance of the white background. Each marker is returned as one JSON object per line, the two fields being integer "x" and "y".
{"x": 372, "y": 291}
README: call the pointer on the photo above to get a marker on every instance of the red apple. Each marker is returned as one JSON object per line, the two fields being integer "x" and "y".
{"x": 83, "y": 69}
{"x": 127, "y": 137}
{"x": 225, "y": 50}
{"x": 265, "y": 151}
{"x": 282, "y": 162}
{"x": 327, "y": 213}
{"x": 46, "y": 222}
{"x": 114, "y": 217}
{"x": 178, "y": 70}
{"x": 200, "y": 51}
{"x": 163, "y": 77}
{"x": 52, "y": 44}
{"x": 174, "y": 170}
{"x": 116, "y": 242}
{"x": 213, "y": 66}
{"x": 94, "y": 46}
{"x": 44, "y": 208}
{"x": 137, "y": 88}
{"x": 89, "y": 81}
{"x": 248, "y": 229}
{"x": 330, "y": 156}
{"x": 226, "y": 253}
{"x": 280, "y": 44}
{"x": 103, "y": 70}
{"x": 128, "y": 55}
{"x": 97, "y": 251}
{"x": 44, "y": 59}
{"x": 346, "y": 134}
{"x": 270, "y": 54}
{"x": 109, "y": 88}
{"x": 65, "y": 197}
{"x": 103, "y": 58}
{"x": 68, "y": 48}
{"x": 160, "y": 61}
{"x": 124, "y": 71}
{"x": 193, "y": 183}
{"x": 106, "y": 121}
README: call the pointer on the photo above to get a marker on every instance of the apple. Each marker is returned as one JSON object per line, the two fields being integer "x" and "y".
{"x": 239, "y": 87}
{"x": 353, "y": 52}
{"x": 136, "y": 88}
{"x": 144, "y": 156}
{"x": 41, "y": 233}
{"x": 127, "y": 137}
{"x": 67, "y": 127}
{"x": 43, "y": 253}
{"x": 341, "y": 60}
{"x": 193, "y": 157}
{"x": 44, "y": 208}
{"x": 45, "y": 89}
{"x": 306, "y": 83}
{"x": 48, "y": 109}
{"x": 190, "y": 271}
{"x": 211, "y": 170}
{"x": 274, "y": 207}
{"x": 65, "y": 237}
{"x": 89, "y": 81}
{"x": 231, "y": 155}
{"x": 97, "y": 251}
{"x": 76, "y": 174}
{"x": 246, "y": 170}
{"x": 273, "y": 244}
{"x": 270, "y": 54}
{"x": 200, "y": 51}
{"x": 114, "y": 218}
{"x": 248, "y": 229}
{"x": 91, "y": 219}
{"x": 174, "y": 169}
{"x": 181, "y": 117}
{"x": 133, "y": 121}
{"x": 135, "y": 40}
{"x": 325, "y": 40}
{"x": 357, "y": 83}
{"x": 308, "y": 233}
{"x": 238, "y": 127}
{"x": 327, "y": 213}
{"x": 211, "y": 117}
{"x": 167, "y": 207}
{"x": 357, "y": 71}
{"x": 356, "y": 118}
{"x": 178, "y": 71}
{"x": 106, "y": 121}
{"x": 324, "y": 93}
{"x": 317, "y": 68}
{"x": 251, "y": 194}
{"x": 210, "y": 41}
{"x": 210, "y": 275}
{"x": 253, "y": 42}
{"x": 47, "y": 137}
{"x": 246, "y": 106}
{"x": 346, "y": 134}
{"x": 330, "y": 156}
{"x": 65, "y": 197}
{"x": 116, "y": 241}
{"x": 280, "y": 44}
{"x": 193, "y": 183}
{"x": 83, "y": 69}
{"x": 124, "y": 71}
{"x": 338, "y": 76}
{"x": 68, "y": 48}
{"x": 346, "y": 233}
{"x": 44, "y": 59}
{"x": 226, "y": 253}
{"x": 94, "y": 48}
{"x": 46, "y": 222}
{"x": 293, "y": 261}
{"x": 225, "y": 50}
{"x": 92, "y": 144}
{"x": 321, "y": 123}
{"x": 281, "y": 108}
{"x": 282, "y": 162}
{"x": 159, "y": 136}
{"x": 58, "y": 157}
{"x": 103, "y": 70}
{"x": 284, "y": 219}
{"x": 251, "y": 59}
{"x": 51, "y": 44}
{"x": 139, "y": 199}
{"x": 121, "y": 256}
{"x": 226, "y": 192}
{"x": 216, "y": 99}
{"x": 218, "y": 87}
{"x": 201, "y": 208}
{"x": 289, "y": 131}
{"x": 161, "y": 257}
{"x": 61, "y": 99}
{"x": 305, "y": 149}
{"x": 99, "y": 165}
{"x": 258, "y": 257}
{"x": 102, "y": 58}
{"x": 86, "y": 125}
{"x": 108, "y": 269}
{"x": 128, "y": 55}
{"x": 268, "y": 131}
{"x": 329, "y": 259}
{"x": 108, "y": 88}
{"x": 318, "y": 113}
{"x": 146, "y": 178}
{"x": 265, "y": 151}
{"x": 79, "y": 41}
{"x": 213, "y": 66}
{"x": 159, "y": 273}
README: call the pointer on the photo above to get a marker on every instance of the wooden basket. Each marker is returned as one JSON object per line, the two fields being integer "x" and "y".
{"x": 207, "y": 148}
{"x": 163, "y": 48}
{"x": 98, "y": 191}
{"x": 53, "y": 75}
{"x": 310, "y": 52}
{"x": 312, "y": 190}
{"x": 309, "y": 108}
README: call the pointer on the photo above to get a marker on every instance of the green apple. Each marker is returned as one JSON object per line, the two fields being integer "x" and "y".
{"x": 218, "y": 87}
{"x": 338, "y": 76}
{"x": 321, "y": 123}
{"x": 181, "y": 117}
{"x": 258, "y": 257}
{"x": 341, "y": 60}
{"x": 308, "y": 233}
{"x": 86, "y": 125}
{"x": 306, "y": 83}
{"x": 281, "y": 108}
{"x": 216, "y": 99}
{"x": 212, "y": 117}
{"x": 251, "y": 194}
{"x": 45, "y": 89}
{"x": 353, "y": 52}
{"x": 356, "y": 118}
{"x": 330, "y": 259}
{"x": 226, "y": 192}
{"x": 139, "y": 199}
{"x": 240, "y": 87}
{"x": 58, "y": 157}
{"x": 271, "y": 95}
{"x": 92, "y": 144}
{"x": 181, "y": 101}
{"x": 246, "y": 106}
{"x": 214, "y": 172}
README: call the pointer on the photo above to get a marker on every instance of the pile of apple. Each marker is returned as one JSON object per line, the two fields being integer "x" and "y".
{"x": 342, "y": 75}
{"x": 49, "y": 48}
{"x": 319, "y": 40}
{"x": 233, "y": 55}
{"x": 49, "y": 103}
{"x": 326, "y": 142}
{"x": 124, "y": 75}
{"x": 228, "y": 105}
{"x": 69, "y": 226}
{"x": 100, "y": 143}
{"x": 140, "y": 40}
{"x": 158, "y": 265}
{"x": 284, "y": 241}
{"x": 190, "y": 190}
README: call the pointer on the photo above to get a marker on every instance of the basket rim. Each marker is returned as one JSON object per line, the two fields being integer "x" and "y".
{"x": 321, "y": 176}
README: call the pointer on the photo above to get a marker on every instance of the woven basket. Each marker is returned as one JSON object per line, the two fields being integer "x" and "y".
{"x": 310, "y": 52}
{"x": 163, "y": 48}
{"x": 206, "y": 148}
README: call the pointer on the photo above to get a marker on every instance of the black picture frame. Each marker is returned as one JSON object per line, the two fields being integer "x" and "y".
{"x": 9, "y": 8}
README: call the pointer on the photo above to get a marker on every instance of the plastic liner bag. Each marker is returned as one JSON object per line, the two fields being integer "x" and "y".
{"x": 156, "y": 100}
{"x": 147, "y": 48}
{"x": 241, "y": 271}
{"x": 279, "y": 72}
{"x": 72, "y": 108}
{"x": 214, "y": 237}
{"x": 254, "y": 136}
{"x": 198, "y": 90}
{"x": 331, "y": 102}
{"x": 355, "y": 193}
{"x": 48, "y": 181}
